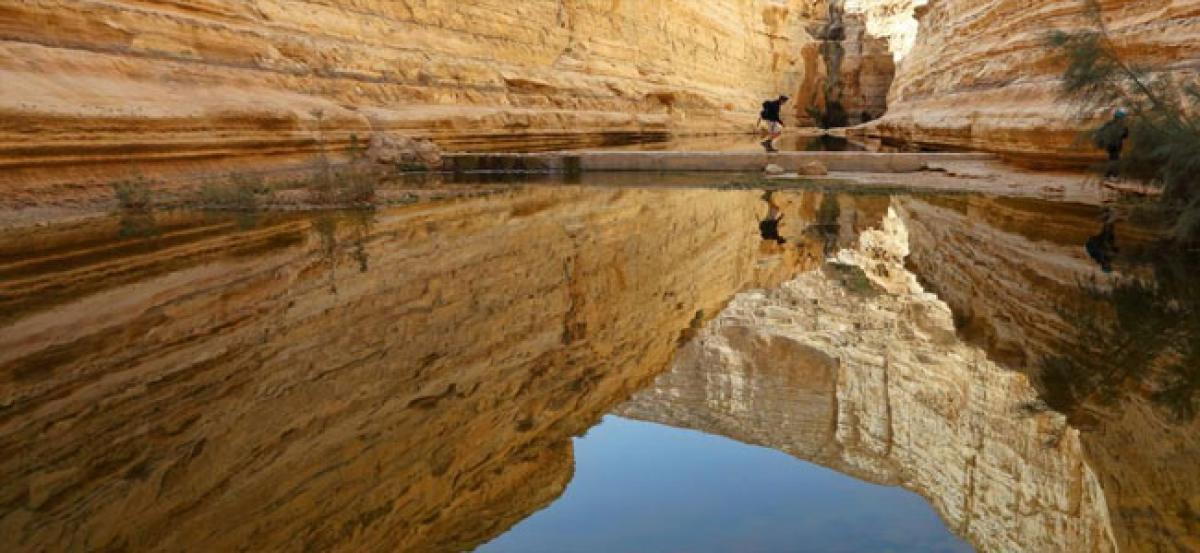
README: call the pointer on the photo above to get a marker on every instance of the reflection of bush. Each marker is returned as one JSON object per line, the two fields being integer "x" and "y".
{"x": 1140, "y": 336}
{"x": 828, "y": 217}
{"x": 344, "y": 234}
{"x": 853, "y": 278}
{"x": 354, "y": 183}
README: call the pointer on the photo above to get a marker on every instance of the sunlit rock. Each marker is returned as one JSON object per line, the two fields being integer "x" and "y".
{"x": 981, "y": 76}
{"x": 859, "y": 369}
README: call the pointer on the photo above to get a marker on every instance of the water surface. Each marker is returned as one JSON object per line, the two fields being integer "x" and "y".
{"x": 416, "y": 378}
{"x": 646, "y": 487}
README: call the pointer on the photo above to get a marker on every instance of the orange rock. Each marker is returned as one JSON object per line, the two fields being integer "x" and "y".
{"x": 980, "y": 76}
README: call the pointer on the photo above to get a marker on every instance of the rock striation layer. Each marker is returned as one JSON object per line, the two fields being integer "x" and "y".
{"x": 867, "y": 71}
{"x": 980, "y": 76}
{"x": 1017, "y": 277}
{"x": 407, "y": 381}
{"x": 873, "y": 382}
{"x": 160, "y": 83}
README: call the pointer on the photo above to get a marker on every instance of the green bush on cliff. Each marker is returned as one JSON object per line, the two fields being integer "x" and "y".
{"x": 1164, "y": 124}
{"x": 133, "y": 194}
{"x": 240, "y": 192}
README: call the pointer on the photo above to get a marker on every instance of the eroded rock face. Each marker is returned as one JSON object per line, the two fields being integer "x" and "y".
{"x": 891, "y": 19}
{"x": 871, "y": 380}
{"x": 1019, "y": 281}
{"x": 980, "y": 76}
{"x": 403, "y": 152}
{"x": 938, "y": 385}
{"x": 402, "y": 382}
{"x": 162, "y": 84}
{"x": 867, "y": 71}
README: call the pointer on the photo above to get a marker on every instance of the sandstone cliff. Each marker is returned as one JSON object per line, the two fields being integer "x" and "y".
{"x": 867, "y": 71}
{"x": 858, "y": 69}
{"x": 891, "y": 19}
{"x": 874, "y": 383}
{"x": 408, "y": 381}
{"x": 979, "y": 76}
{"x": 162, "y": 84}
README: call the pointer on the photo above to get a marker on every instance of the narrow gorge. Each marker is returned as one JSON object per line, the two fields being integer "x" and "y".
{"x": 532, "y": 276}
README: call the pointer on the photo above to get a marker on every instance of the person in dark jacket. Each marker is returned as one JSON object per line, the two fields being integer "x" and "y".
{"x": 1103, "y": 246}
{"x": 768, "y": 227}
{"x": 1111, "y": 138}
{"x": 771, "y": 113}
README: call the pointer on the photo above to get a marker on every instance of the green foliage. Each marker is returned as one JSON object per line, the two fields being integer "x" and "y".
{"x": 133, "y": 194}
{"x": 853, "y": 278}
{"x": 1164, "y": 126}
{"x": 239, "y": 192}
{"x": 354, "y": 183}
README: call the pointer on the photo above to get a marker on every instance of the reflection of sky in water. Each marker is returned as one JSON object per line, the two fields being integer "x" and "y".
{"x": 641, "y": 487}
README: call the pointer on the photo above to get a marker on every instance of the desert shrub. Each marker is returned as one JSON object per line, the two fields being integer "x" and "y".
{"x": 134, "y": 193}
{"x": 238, "y": 192}
{"x": 354, "y": 183}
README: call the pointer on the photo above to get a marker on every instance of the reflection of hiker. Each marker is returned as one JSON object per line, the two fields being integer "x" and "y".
{"x": 769, "y": 226}
{"x": 1103, "y": 247}
{"x": 771, "y": 114}
{"x": 1111, "y": 138}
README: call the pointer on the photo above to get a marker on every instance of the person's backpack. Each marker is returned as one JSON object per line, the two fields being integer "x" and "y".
{"x": 1110, "y": 135}
{"x": 765, "y": 110}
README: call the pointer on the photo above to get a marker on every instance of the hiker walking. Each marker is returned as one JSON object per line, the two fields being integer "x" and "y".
{"x": 1111, "y": 138}
{"x": 771, "y": 114}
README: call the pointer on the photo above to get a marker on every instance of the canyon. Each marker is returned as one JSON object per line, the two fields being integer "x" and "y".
{"x": 163, "y": 86}
{"x": 411, "y": 376}
{"x": 103, "y": 89}
{"x": 411, "y": 379}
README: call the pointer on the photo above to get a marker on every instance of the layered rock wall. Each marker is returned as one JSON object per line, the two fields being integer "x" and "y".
{"x": 873, "y": 382}
{"x": 980, "y": 76}
{"x": 867, "y": 71}
{"x": 892, "y": 19}
{"x": 1018, "y": 279}
{"x": 145, "y": 83}
{"x": 400, "y": 381}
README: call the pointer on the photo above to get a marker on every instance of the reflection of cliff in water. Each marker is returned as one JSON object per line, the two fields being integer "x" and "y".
{"x": 411, "y": 379}
{"x": 872, "y": 381}
{"x": 1115, "y": 353}
{"x": 404, "y": 380}
{"x": 878, "y": 381}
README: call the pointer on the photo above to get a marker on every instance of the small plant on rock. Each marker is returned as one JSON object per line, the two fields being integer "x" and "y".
{"x": 240, "y": 192}
{"x": 133, "y": 194}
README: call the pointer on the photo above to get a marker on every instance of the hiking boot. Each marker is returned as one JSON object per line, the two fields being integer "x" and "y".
{"x": 767, "y": 144}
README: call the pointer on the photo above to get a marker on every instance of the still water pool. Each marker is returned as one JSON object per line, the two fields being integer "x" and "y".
{"x": 517, "y": 367}
{"x": 641, "y": 486}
